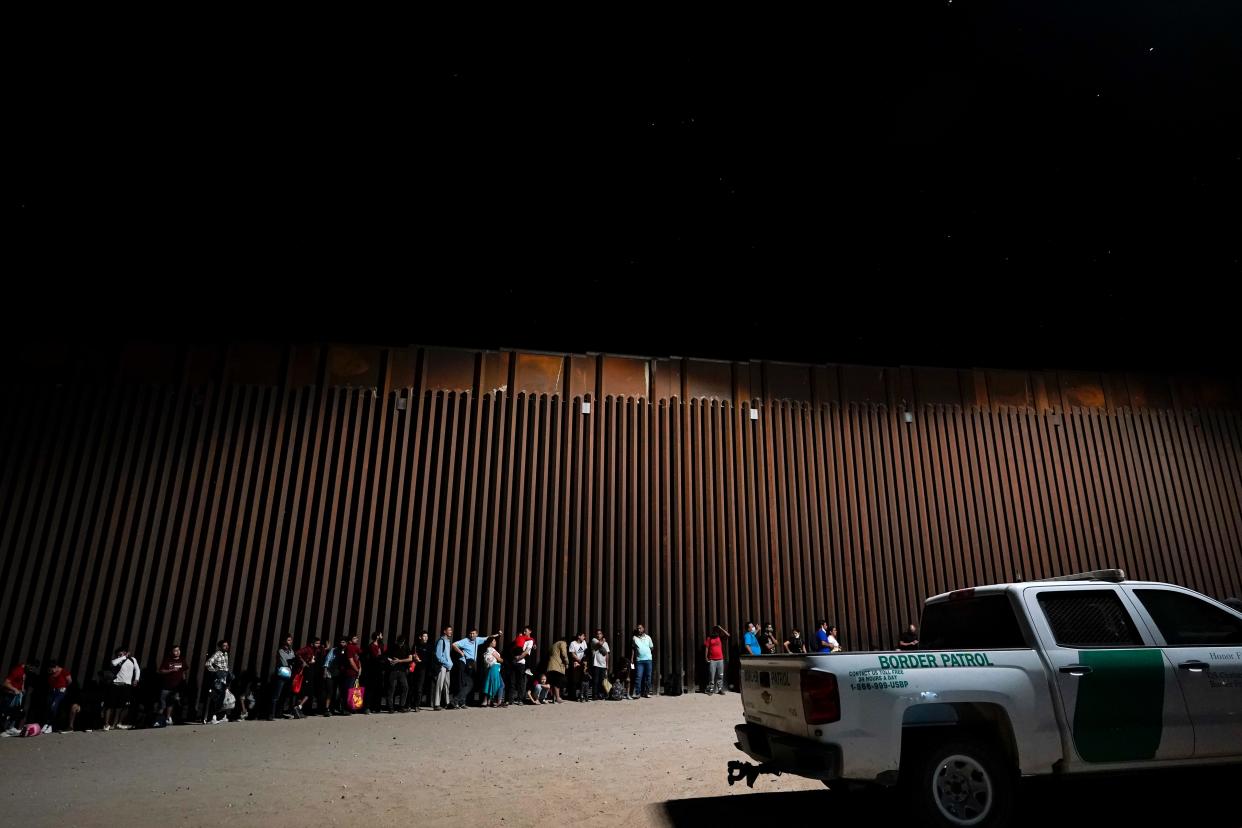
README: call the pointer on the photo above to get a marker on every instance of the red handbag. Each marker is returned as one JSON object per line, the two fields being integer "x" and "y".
{"x": 297, "y": 683}
{"x": 355, "y": 696}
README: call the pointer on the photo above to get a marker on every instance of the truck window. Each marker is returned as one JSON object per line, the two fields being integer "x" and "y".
{"x": 1187, "y": 621}
{"x": 986, "y": 622}
{"x": 1089, "y": 618}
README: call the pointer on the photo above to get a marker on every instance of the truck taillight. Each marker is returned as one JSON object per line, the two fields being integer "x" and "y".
{"x": 821, "y": 700}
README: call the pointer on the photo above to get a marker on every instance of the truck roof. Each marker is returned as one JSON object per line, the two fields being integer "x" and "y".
{"x": 1108, "y": 576}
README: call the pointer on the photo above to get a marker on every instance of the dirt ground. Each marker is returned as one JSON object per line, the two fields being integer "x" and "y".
{"x": 606, "y": 762}
{"x": 653, "y": 762}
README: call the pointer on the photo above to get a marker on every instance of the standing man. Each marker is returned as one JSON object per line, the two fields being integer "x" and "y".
{"x": 467, "y": 651}
{"x": 375, "y": 673}
{"x": 217, "y": 679}
{"x": 599, "y": 665}
{"x": 174, "y": 673}
{"x": 399, "y": 659}
{"x": 821, "y": 637}
{"x": 306, "y": 677}
{"x": 425, "y": 658}
{"x": 523, "y": 646}
{"x": 767, "y": 641}
{"x": 580, "y": 672}
{"x": 331, "y": 673}
{"x": 444, "y": 659}
{"x": 351, "y": 669}
{"x": 713, "y": 651}
{"x": 285, "y": 656}
{"x": 750, "y": 640}
{"x": 909, "y": 638}
{"x": 640, "y": 654}
{"x": 121, "y": 692}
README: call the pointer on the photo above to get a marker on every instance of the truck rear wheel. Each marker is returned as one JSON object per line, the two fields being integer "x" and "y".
{"x": 961, "y": 783}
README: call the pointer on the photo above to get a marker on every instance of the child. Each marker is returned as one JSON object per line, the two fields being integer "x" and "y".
{"x": 543, "y": 690}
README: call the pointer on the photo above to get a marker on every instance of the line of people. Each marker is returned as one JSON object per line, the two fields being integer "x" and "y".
{"x": 321, "y": 678}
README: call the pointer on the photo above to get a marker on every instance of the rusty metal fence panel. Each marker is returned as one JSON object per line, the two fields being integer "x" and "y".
{"x": 149, "y": 516}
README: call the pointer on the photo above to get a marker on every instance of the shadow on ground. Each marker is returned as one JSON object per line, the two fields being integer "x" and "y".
{"x": 1199, "y": 797}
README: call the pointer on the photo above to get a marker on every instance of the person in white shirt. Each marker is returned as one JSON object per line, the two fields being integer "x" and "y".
{"x": 834, "y": 644}
{"x": 579, "y": 670}
{"x": 599, "y": 664}
{"x": 120, "y": 694}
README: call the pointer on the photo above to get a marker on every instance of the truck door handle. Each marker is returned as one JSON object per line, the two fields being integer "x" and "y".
{"x": 1195, "y": 666}
{"x": 1076, "y": 669}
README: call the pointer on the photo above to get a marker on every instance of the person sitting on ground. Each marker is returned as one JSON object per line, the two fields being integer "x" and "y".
{"x": 620, "y": 681}
{"x": 13, "y": 699}
{"x": 58, "y": 681}
{"x": 543, "y": 690}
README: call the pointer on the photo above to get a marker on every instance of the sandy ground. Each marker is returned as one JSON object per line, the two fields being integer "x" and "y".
{"x": 654, "y": 762}
{"x": 607, "y": 762}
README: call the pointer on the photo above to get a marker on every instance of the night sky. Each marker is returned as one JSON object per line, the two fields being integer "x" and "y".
{"x": 998, "y": 184}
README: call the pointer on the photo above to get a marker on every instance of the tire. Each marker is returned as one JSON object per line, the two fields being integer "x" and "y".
{"x": 963, "y": 783}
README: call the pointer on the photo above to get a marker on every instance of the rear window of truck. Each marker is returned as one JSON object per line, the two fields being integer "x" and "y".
{"x": 985, "y": 622}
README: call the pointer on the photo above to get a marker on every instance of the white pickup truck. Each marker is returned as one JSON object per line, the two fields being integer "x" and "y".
{"x": 1078, "y": 674}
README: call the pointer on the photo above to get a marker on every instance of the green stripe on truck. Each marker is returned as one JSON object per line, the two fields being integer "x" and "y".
{"x": 1119, "y": 716}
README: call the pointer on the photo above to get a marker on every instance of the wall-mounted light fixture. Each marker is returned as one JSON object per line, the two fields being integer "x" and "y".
{"x": 402, "y": 402}
{"x": 586, "y": 407}
{"x": 908, "y": 416}
{"x": 754, "y": 413}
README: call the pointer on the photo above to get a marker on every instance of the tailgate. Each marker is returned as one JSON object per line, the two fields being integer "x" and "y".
{"x": 772, "y": 693}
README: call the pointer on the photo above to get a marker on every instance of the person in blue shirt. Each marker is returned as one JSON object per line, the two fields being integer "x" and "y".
{"x": 750, "y": 639}
{"x": 444, "y": 656}
{"x": 640, "y": 654}
{"x": 467, "y": 650}
{"x": 821, "y": 635}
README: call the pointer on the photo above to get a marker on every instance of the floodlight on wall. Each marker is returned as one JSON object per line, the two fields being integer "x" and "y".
{"x": 586, "y": 407}
{"x": 401, "y": 403}
{"x": 754, "y": 413}
{"x": 908, "y": 416}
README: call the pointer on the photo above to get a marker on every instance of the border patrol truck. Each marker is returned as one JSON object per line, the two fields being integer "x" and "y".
{"x": 1077, "y": 674}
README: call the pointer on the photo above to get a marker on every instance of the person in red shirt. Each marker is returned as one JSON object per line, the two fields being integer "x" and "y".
{"x": 173, "y": 675}
{"x": 12, "y": 698}
{"x": 304, "y": 674}
{"x": 58, "y": 681}
{"x": 351, "y": 668}
{"x": 713, "y": 651}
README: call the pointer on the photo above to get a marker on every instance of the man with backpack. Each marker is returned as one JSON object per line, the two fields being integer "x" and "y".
{"x": 125, "y": 675}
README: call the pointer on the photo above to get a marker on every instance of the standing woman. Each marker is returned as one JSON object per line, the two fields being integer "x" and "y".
{"x": 493, "y": 685}
{"x": 795, "y": 644}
